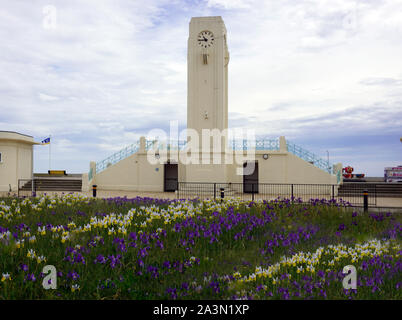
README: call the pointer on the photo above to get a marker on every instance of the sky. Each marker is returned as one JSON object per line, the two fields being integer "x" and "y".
{"x": 98, "y": 74}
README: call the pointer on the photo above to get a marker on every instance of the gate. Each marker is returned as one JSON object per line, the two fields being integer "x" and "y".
{"x": 170, "y": 177}
{"x": 250, "y": 181}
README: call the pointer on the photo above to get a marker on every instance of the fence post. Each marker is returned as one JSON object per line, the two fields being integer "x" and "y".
{"x": 94, "y": 190}
{"x": 333, "y": 192}
{"x": 215, "y": 191}
{"x": 178, "y": 190}
{"x": 365, "y": 200}
{"x": 292, "y": 193}
{"x": 222, "y": 193}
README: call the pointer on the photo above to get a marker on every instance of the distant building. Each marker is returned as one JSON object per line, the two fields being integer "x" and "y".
{"x": 393, "y": 174}
{"x": 16, "y": 159}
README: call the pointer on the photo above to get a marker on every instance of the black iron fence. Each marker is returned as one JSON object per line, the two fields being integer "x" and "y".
{"x": 271, "y": 191}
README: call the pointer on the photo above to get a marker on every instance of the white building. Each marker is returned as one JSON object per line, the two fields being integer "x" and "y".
{"x": 16, "y": 159}
{"x": 276, "y": 161}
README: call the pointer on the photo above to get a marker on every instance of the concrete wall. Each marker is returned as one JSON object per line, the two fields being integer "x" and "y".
{"x": 134, "y": 173}
{"x": 284, "y": 167}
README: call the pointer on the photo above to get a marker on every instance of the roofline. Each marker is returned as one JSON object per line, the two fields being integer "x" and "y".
{"x": 17, "y": 133}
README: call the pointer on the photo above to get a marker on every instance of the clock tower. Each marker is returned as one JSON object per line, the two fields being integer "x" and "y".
{"x": 207, "y": 75}
{"x": 207, "y": 93}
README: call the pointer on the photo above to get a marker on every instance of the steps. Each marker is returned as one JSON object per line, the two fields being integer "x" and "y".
{"x": 54, "y": 184}
{"x": 380, "y": 189}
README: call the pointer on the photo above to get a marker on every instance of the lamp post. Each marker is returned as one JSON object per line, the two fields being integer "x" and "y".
{"x": 328, "y": 160}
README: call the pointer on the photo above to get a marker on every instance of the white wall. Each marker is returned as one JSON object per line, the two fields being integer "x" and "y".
{"x": 16, "y": 160}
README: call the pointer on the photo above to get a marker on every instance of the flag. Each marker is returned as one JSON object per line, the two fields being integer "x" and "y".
{"x": 46, "y": 141}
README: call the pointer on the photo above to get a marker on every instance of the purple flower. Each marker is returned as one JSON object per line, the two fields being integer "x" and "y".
{"x": 73, "y": 275}
{"x": 114, "y": 260}
{"x": 172, "y": 292}
{"x": 143, "y": 252}
{"x": 100, "y": 259}
{"x": 159, "y": 244}
{"x": 215, "y": 286}
{"x": 23, "y": 267}
{"x": 30, "y": 277}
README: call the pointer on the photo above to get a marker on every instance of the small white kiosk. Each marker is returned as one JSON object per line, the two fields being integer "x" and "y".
{"x": 16, "y": 159}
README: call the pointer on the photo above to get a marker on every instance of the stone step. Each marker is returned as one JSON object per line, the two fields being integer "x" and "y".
{"x": 54, "y": 185}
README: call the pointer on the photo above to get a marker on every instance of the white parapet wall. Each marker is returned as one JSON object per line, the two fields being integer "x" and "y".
{"x": 133, "y": 173}
{"x": 278, "y": 166}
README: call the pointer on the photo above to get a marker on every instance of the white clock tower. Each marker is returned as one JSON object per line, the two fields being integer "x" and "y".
{"x": 207, "y": 91}
{"x": 207, "y": 72}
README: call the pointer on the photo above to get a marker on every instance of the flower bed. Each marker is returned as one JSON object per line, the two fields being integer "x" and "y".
{"x": 145, "y": 248}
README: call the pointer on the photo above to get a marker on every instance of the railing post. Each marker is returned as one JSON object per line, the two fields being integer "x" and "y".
{"x": 215, "y": 191}
{"x": 94, "y": 190}
{"x": 292, "y": 193}
{"x": 365, "y": 200}
{"x": 222, "y": 194}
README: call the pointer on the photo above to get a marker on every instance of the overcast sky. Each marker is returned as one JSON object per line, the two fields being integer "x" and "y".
{"x": 96, "y": 75}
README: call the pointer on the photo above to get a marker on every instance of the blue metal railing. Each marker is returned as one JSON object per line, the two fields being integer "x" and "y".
{"x": 116, "y": 157}
{"x": 133, "y": 148}
{"x": 170, "y": 145}
{"x": 308, "y": 156}
{"x": 237, "y": 145}
{"x": 260, "y": 144}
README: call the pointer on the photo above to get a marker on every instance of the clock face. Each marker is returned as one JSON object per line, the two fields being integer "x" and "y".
{"x": 205, "y": 39}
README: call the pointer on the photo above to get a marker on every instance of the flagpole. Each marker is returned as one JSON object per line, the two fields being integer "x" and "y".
{"x": 49, "y": 150}
{"x": 32, "y": 173}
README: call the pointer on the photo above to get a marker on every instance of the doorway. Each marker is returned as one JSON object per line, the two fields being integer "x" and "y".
{"x": 250, "y": 179}
{"x": 170, "y": 177}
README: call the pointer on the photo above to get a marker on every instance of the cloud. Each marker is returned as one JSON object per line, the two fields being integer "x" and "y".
{"x": 110, "y": 71}
{"x": 381, "y": 82}
{"x": 45, "y": 97}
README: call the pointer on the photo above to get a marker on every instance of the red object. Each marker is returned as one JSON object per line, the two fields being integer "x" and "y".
{"x": 347, "y": 172}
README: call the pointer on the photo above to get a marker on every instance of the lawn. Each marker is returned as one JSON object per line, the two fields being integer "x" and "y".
{"x": 146, "y": 248}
